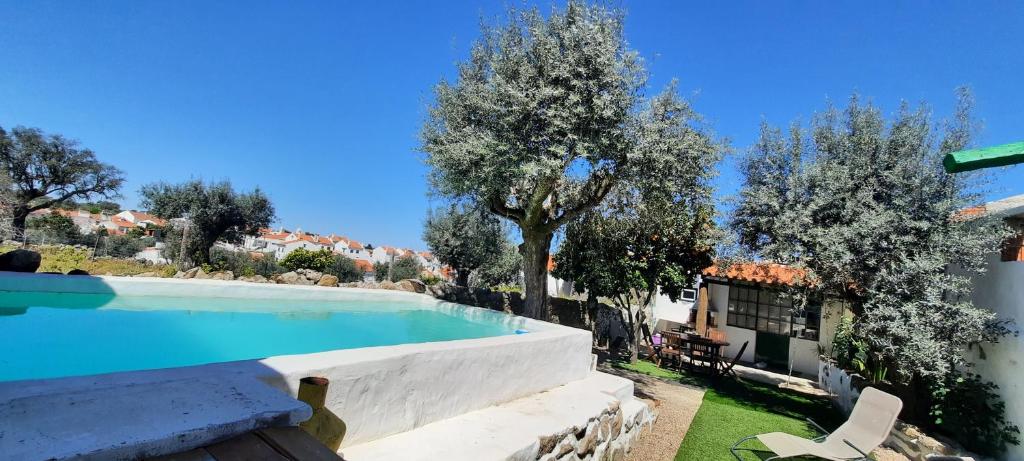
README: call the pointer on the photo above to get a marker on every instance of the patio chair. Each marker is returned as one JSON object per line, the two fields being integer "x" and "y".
{"x": 868, "y": 426}
{"x": 728, "y": 371}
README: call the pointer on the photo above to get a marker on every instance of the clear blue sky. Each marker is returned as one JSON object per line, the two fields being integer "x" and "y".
{"x": 320, "y": 103}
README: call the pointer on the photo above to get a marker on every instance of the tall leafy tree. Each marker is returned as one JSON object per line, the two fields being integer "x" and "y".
{"x": 655, "y": 232}
{"x": 54, "y": 228}
{"x": 46, "y": 170}
{"x": 463, "y": 237}
{"x": 543, "y": 121}
{"x": 864, "y": 205}
{"x": 213, "y": 211}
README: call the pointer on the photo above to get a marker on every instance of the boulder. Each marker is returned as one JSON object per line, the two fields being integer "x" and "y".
{"x": 191, "y": 273}
{"x": 413, "y": 285}
{"x": 20, "y": 260}
{"x": 293, "y": 278}
{"x": 77, "y": 272}
{"x": 328, "y": 280}
{"x": 201, "y": 274}
{"x": 252, "y": 278}
{"x": 310, "y": 274}
{"x": 387, "y": 285}
{"x": 147, "y": 274}
{"x": 222, "y": 275}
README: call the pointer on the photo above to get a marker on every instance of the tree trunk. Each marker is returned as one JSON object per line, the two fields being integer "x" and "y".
{"x": 462, "y": 278}
{"x": 20, "y": 215}
{"x": 534, "y": 250}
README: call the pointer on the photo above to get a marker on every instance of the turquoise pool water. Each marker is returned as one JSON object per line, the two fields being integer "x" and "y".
{"x": 46, "y": 335}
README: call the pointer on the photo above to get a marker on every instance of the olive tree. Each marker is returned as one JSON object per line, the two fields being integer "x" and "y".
{"x": 542, "y": 122}
{"x": 46, "y": 170}
{"x": 463, "y": 237}
{"x": 655, "y": 232}
{"x": 211, "y": 211}
{"x": 864, "y": 204}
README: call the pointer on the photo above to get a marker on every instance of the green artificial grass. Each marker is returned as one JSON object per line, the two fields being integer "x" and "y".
{"x": 733, "y": 409}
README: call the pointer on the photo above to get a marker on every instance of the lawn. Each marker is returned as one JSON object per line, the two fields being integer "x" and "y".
{"x": 734, "y": 409}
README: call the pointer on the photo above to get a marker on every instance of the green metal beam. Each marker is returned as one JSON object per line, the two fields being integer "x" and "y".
{"x": 988, "y": 157}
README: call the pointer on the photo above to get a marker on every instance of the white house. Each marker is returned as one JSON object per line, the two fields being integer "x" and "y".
{"x": 1001, "y": 289}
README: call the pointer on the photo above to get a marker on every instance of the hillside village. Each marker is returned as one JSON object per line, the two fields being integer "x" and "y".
{"x": 273, "y": 242}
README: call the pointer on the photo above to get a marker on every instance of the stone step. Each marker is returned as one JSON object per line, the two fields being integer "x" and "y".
{"x": 135, "y": 421}
{"x": 579, "y": 419}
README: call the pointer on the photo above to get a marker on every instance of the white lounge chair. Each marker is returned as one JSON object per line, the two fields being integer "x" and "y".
{"x": 868, "y": 426}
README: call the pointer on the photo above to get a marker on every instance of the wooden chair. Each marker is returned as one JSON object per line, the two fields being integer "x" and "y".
{"x": 728, "y": 371}
{"x": 703, "y": 352}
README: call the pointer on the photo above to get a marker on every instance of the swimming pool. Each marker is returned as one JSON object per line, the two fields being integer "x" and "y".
{"x": 49, "y": 335}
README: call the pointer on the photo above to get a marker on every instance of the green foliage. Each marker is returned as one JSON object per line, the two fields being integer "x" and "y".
{"x": 119, "y": 246}
{"x": 301, "y": 258}
{"x": 864, "y": 204}
{"x": 969, "y": 408}
{"x": 463, "y": 237}
{"x": 345, "y": 269}
{"x": 380, "y": 271}
{"x": 214, "y": 211}
{"x": 502, "y": 269}
{"x": 430, "y": 280}
{"x": 406, "y": 267}
{"x": 45, "y": 170}
{"x": 53, "y": 229}
{"x": 242, "y": 263}
{"x": 656, "y": 230}
{"x": 546, "y": 116}
{"x": 101, "y": 206}
{"x": 61, "y": 258}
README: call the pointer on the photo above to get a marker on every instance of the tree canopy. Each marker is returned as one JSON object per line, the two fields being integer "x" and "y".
{"x": 45, "y": 170}
{"x": 545, "y": 118}
{"x": 864, "y": 205}
{"x": 213, "y": 211}
{"x": 463, "y": 237}
{"x": 655, "y": 232}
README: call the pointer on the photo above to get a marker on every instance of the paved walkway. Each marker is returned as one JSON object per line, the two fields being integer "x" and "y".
{"x": 676, "y": 405}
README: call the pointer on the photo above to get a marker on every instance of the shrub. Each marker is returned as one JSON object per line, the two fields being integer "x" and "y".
{"x": 120, "y": 246}
{"x": 406, "y": 267}
{"x": 242, "y": 263}
{"x": 969, "y": 409}
{"x": 380, "y": 271}
{"x": 302, "y": 258}
{"x": 430, "y": 280}
{"x": 345, "y": 269}
{"x": 61, "y": 258}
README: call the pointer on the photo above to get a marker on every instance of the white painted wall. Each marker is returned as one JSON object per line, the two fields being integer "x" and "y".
{"x": 1001, "y": 289}
{"x": 803, "y": 356}
{"x": 718, "y": 297}
{"x": 379, "y": 390}
{"x": 559, "y": 288}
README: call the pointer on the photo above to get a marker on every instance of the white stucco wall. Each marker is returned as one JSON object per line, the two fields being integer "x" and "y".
{"x": 1001, "y": 289}
{"x": 378, "y": 391}
{"x": 803, "y": 356}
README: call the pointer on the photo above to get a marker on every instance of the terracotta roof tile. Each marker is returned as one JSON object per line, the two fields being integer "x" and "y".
{"x": 766, "y": 273}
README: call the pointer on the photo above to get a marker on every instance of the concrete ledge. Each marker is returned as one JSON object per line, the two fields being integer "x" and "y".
{"x": 379, "y": 391}
{"x": 585, "y": 414}
{"x": 137, "y": 421}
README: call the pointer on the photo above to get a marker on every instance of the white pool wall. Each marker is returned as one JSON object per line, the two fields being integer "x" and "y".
{"x": 378, "y": 391}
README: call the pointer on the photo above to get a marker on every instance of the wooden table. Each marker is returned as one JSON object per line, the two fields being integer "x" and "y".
{"x": 710, "y": 349}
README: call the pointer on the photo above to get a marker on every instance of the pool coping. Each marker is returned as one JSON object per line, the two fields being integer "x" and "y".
{"x": 380, "y": 390}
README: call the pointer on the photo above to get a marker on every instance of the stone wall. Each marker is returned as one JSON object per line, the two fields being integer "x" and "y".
{"x": 604, "y": 321}
{"x": 605, "y": 437}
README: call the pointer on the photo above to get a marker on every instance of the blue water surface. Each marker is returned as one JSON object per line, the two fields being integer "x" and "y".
{"x": 46, "y": 335}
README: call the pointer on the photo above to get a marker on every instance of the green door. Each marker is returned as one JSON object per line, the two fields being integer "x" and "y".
{"x": 772, "y": 349}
